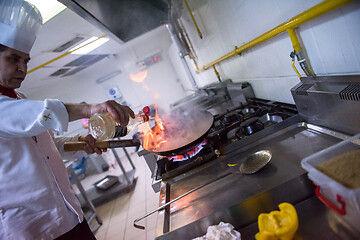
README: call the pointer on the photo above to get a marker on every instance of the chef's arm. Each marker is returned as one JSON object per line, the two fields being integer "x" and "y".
{"x": 27, "y": 118}
{"x": 120, "y": 112}
{"x": 77, "y": 110}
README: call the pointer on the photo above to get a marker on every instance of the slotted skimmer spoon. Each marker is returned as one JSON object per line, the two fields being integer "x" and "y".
{"x": 255, "y": 162}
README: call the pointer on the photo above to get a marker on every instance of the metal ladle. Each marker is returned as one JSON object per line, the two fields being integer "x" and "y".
{"x": 255, "y": 162}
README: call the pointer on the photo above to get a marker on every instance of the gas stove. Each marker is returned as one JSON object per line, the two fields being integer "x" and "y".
{"x": 210, "y": 189}
{"x": 233, "y": 124}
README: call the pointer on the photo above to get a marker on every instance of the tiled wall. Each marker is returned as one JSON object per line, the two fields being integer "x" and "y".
{"x": 332, "y": 42}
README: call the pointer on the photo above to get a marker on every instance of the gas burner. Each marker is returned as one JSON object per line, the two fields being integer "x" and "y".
{"x": 235, "y": 134}
{"x": 251, "y": 126}
{"x": 171, "y": 165}
{"x": 270, "y": 119}
{"x": 168, "y": 168}
{"x": 189, "y": 154}
{"x": 247, "y": 111}
{"x": 233, "y": 125}
{"x": 232, "y": 117}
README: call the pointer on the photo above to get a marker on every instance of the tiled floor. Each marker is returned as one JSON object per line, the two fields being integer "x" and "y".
{"x": 118, "y": 214}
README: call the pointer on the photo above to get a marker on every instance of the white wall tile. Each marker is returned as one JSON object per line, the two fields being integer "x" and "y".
{"x": 331, "y": 41}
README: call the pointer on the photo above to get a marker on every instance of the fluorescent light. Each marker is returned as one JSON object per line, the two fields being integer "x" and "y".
{"x": 48, "y": 8}
{"x": 96, "y": 42}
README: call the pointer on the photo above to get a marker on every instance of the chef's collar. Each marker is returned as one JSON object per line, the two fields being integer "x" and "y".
{"x": 8, "y": 92}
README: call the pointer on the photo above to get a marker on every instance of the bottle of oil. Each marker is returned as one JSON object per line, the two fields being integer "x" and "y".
{"x": 103, "y": 126}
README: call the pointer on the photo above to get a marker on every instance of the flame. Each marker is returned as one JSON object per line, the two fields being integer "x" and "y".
{"x": 152, "y": 137}
{"x": 190, "y": 153}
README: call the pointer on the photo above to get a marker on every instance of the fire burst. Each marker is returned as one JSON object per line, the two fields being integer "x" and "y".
{"x": 152, "y": 137}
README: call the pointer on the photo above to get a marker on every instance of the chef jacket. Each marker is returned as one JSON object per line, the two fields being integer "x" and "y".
{"x": 36, "y": 199}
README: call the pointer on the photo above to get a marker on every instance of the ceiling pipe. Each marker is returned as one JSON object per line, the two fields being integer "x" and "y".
{"x": 296, "y": 21}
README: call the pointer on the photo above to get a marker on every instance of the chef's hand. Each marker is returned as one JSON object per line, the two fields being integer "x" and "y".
{"x": 119, "y": 112}
{"x": 90, "y": 145}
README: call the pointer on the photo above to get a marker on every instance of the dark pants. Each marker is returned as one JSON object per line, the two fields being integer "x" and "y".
{"x": 82, "y": 231}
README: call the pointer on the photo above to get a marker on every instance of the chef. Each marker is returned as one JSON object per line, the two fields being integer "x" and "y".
{"x": 36, "y": 200}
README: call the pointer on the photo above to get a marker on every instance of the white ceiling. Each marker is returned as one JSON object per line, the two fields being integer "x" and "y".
{"x": 54, "y": 33}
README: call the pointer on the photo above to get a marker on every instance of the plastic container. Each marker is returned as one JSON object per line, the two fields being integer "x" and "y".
{"x": 344, "y": 201}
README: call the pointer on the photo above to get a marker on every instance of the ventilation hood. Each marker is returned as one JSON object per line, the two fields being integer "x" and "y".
{"x": 123, "y": 20}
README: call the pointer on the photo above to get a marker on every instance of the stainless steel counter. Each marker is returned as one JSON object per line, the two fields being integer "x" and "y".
{"x": 239, "y": 199}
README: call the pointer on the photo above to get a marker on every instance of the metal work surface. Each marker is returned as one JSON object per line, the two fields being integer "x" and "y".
{"x": 245, "y": 213}
{"x": 238, "y": 198}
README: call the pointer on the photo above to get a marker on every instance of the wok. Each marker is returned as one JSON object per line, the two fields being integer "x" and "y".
{"x": 183, "y": 132}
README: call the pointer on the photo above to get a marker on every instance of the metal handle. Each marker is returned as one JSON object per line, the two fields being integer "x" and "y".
{"x": 78, "y": 146}
{"x": 327, "y": 202}
{"x": 174, "y": 200}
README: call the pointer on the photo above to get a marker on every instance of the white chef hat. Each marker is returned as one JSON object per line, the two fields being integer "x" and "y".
{"x": 20, "y": 22}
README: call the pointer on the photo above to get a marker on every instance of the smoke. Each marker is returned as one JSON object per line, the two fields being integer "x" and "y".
{"x": 182, "y": 127}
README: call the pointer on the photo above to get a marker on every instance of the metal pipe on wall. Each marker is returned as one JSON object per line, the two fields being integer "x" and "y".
{"x": 292, "y": 55}
{"x": 217, "y": 74}
{"x": 296, "y": 21}
{"x": 182, "y": 57}
{"x": 294, "y": 40}
{"x": 192, "y": 16}
{"x": 299, "y": 53}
